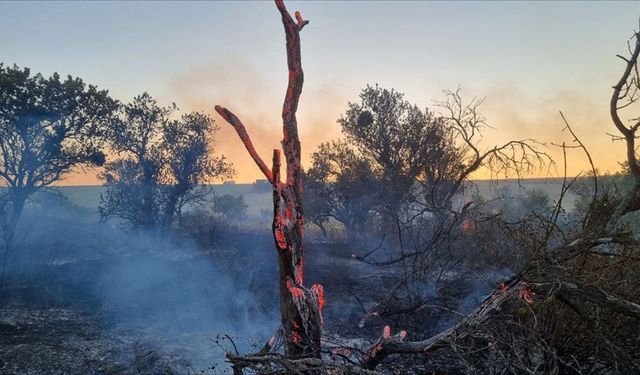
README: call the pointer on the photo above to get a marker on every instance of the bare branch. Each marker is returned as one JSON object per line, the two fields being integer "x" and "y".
{"x": 246, "y": 140}
{"x": 290, "y": 142}
{"x": 614, "y": 106}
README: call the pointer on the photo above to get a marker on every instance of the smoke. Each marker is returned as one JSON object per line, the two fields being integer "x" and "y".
{"x": 161, "y": 290}
{"x": 257, "y": 101}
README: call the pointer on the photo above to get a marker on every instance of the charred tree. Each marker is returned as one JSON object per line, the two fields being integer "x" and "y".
{"x": 300, "y": 308}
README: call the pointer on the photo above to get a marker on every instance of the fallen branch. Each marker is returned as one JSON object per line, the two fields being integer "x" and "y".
{"x": 272, "y": 363}
{"x": 596, "y": 295}
{"x": 516, "y": 288}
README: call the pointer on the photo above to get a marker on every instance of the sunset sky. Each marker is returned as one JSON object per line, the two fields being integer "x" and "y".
{"x": 529, "y": 60}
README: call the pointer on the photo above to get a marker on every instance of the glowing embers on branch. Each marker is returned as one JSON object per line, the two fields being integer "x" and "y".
{"x": 384, "y": 340}
{"x": 300, "y": 308}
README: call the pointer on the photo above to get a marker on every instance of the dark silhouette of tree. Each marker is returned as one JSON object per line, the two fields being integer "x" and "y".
{"x": 398, "y": 139}
{"x": 188, "y": 144}
{"x": 408, "y": 146}
{"x": 341, "y": 185}
{"x": 230, "y": 206}
{"x": 48, "y": 127}
{"x": 163, "y": 163}
{"x": 300, "y": 308}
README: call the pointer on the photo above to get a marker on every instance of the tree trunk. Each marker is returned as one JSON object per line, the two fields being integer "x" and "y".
{"x": 9, "y": 231}
{"x": 170, "y": 210}
{"x": 300, "y": 308}
{"x": 148, "y": 191}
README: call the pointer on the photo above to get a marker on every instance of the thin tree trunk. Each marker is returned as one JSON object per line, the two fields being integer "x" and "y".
{"x": 300, "y": 308}
{"x": 17, "y": 206}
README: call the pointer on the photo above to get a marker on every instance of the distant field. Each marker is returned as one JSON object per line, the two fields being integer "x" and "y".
{"x": 551, "y": 186}
{"x": 259, "y": 197}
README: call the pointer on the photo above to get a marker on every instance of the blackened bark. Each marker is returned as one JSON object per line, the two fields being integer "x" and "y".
{"x": 300, "y": 308}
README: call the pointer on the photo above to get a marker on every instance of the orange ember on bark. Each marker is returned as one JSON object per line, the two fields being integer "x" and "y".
{"x": 319, "y": 291}
{"x": 295, "y": 335}
{"x": 503, "y": 288}
{"x": 527, "y": 294}
{"x": 386, "y": 332}
{"x": 296, "y": 292}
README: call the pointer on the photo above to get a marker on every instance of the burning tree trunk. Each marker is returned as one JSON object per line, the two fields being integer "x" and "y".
{"x": 300, "y": 308}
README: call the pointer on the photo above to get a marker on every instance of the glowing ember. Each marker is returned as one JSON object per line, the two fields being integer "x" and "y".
{"x": 527, "y": 294}
{"x": 297, "y": 293}
{"x": 503, "y": 288}
{"x": 386, "y": 332}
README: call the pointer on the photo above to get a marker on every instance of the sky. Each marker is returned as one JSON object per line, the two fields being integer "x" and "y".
{"x": 530, "y": 60}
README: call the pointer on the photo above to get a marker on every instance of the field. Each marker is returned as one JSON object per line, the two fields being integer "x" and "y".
{"x": 258, "y": 198}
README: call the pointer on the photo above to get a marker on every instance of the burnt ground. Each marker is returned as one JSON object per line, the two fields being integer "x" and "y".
{"x": 81, "y": 337}
{"x": 165, "y": 310}
{"x": 70, "y": 341}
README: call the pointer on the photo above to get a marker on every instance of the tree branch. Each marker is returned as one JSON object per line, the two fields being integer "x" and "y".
{"x": 244, "y": 136}
{"x": 290, "y": 142}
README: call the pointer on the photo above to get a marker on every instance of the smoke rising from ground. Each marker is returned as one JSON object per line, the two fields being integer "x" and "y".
{"x": 157, "y": 289}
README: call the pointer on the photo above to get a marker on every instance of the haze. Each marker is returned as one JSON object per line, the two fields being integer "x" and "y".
{"x": 530, "y": 60}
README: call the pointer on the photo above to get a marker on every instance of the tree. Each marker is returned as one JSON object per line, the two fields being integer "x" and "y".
{"x": 465, "y": 125}
{"x": 229, "y": 206}
{"x": 189, "y": 146}
{"x": 163, "y": 163}
{"x": 48, "y": 127}
{"x": 407, "y": 145}
{"x": 342, "y": 186}
{"x": 300, "y": 308}
{"x": 398, "y": 139}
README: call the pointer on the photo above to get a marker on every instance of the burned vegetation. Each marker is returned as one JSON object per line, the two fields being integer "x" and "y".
{"x": 568, "y": 302}
{"x": 416, "y": 270}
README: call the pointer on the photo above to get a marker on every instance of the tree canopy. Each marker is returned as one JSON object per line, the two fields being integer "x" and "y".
{"x": 48, "y": 126}
{"x": 162, "y": 164}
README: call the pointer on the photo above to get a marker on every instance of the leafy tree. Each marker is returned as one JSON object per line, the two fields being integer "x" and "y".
{"x": 48, "y": 127}
{"x": 398, "y": 139}
{"x": 162, "y": 166}
{"x": 188, "y": 143}
{"x": 230, "y": 206}
{"x": 340, "y": 185}
{"x": 407, "y": 146}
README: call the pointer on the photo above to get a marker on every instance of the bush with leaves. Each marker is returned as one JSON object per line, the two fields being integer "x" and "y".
{"x": 230, "y": 207}
{"x": 163, "y": 165}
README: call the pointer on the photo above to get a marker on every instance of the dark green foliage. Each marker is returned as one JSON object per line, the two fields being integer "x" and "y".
{"x": 48, "y": 126}
{"x": 230, "y": 206}
{"x": 399, "y": 140}
{"x": 340, "y": 185}
{"x": 162, "y": 165}
{"x": 392, "y": 148}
